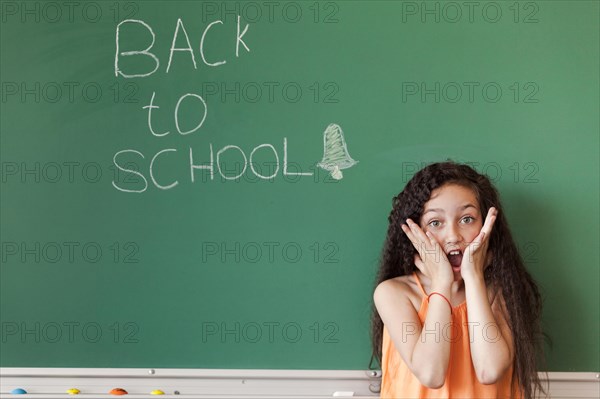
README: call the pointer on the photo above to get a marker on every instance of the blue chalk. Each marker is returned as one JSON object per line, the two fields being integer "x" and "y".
{"x": 18, "y": 391}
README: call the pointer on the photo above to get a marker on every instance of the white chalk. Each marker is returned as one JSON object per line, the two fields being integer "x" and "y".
{"x": 343, "y": 394}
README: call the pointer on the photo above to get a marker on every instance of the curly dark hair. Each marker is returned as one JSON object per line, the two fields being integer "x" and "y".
{"x": 506, "y": 271}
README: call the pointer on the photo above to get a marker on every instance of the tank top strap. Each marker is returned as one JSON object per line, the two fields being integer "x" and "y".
{"x": 419, "y": 283}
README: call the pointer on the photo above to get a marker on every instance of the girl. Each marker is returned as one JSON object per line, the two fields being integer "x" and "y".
{"x": 456, "y": 313}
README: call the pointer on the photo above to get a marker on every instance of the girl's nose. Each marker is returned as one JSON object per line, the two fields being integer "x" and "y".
{"x": 452, "y": 235}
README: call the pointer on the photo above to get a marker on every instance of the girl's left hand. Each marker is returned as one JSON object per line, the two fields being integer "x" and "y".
{"x": 476, "y": 258}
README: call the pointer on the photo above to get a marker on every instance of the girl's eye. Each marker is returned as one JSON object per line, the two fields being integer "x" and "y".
{"x": 470, "y": 219}
{"x": 433, "y": 223}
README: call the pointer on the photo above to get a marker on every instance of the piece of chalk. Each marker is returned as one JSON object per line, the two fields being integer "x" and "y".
{"x": 157, "y": 392}
{"x": 344, "y": 394}
{"x": 118, "y": 391}
{"x": 73, "y": 391}
{"x": 18, "y": 391}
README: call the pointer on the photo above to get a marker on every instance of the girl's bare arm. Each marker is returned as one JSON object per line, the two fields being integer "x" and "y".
{"x": 423, "y": 349}
{"x": 490, "y": 336}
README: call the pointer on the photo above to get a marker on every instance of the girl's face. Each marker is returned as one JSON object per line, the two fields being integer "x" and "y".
{"x": 453, "y": 216}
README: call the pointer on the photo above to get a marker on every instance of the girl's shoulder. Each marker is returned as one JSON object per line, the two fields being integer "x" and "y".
{"x": 404, "y": 286}
{"x": 408, "y": 287}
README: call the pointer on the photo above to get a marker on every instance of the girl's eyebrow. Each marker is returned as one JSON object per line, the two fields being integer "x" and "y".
{"x": 433, "y": 210}
{"x": 460, "y": 208}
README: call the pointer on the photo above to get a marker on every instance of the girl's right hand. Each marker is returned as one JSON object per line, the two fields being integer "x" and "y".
{"x": 431, "y": 260}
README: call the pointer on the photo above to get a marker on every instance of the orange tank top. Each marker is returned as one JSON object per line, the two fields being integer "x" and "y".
{"x": 461, "y": 382}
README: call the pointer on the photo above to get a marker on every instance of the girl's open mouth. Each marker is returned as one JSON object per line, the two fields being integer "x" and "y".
{"x": 455, "y": 259}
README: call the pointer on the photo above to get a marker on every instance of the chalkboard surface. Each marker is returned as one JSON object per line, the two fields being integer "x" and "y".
{"x": 207, "y": 184}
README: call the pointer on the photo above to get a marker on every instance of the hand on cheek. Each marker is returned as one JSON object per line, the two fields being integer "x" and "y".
{"x": 476, "y": 257}
{"x": 430, "y": 258}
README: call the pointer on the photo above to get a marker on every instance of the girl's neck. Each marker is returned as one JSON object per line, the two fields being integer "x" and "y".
{"x": 457, "y": 287}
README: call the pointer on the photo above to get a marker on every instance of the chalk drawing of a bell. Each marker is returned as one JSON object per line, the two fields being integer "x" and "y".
{"x": 335, "y": 152}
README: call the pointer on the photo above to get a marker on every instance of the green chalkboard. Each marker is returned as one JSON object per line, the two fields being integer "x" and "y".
{"x": 183, "y": 208}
